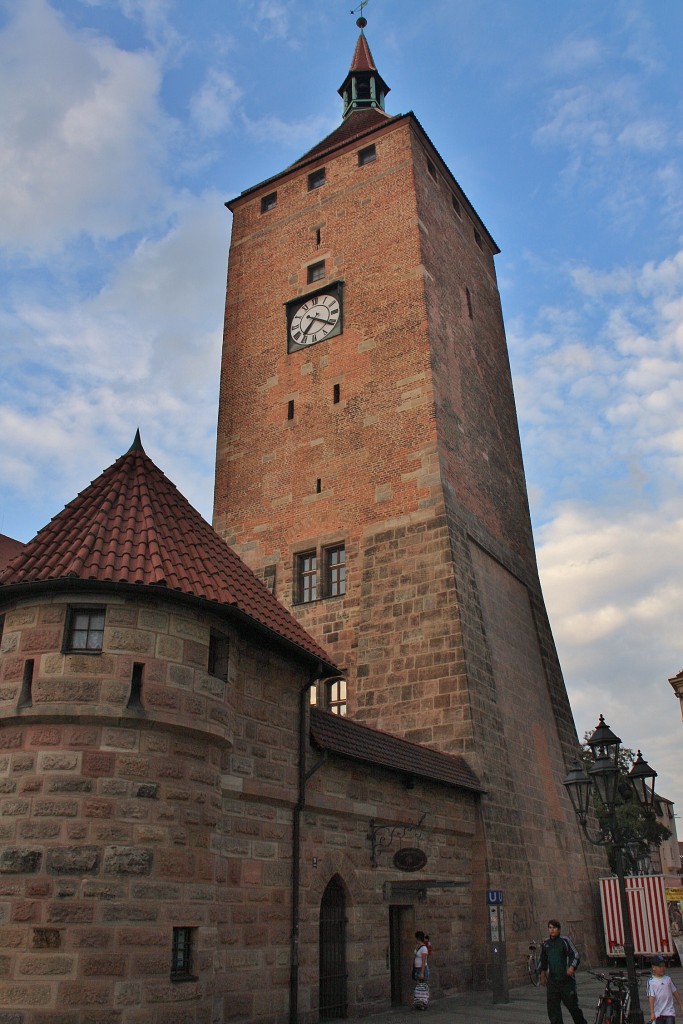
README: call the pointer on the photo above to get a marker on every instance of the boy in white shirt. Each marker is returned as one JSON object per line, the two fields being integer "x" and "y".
{"x": 661, "y": 993}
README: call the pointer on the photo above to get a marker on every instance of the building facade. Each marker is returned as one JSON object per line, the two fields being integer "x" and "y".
{"x": 369, "y": 470}
{"x": 183, "y": 837}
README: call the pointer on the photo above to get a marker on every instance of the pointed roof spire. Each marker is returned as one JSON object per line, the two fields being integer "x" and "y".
{"x": 137, "y": 443}
{"x": 132, "y": 527}
{"x": 363, "y": 87}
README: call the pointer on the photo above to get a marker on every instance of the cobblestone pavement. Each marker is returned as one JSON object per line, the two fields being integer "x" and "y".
{"x": 526, "y": 1006}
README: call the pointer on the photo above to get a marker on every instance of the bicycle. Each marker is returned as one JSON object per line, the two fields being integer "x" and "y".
{"x": 614, "y": 1005}
{"x": 534, "y": 963}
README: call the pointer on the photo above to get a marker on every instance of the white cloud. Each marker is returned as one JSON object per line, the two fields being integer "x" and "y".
{"x": 600, "y": 392}
{"x": 614, "y": 590}
{"x": 293, "y": 134}
{"x": 82, "y": 134}
{"x": 213, "y": 105}
{"x": 144, "y": 351}
{"x": 574, "y": 55}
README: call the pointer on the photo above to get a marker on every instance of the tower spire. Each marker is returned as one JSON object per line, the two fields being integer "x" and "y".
{"x": 363, "y": 87}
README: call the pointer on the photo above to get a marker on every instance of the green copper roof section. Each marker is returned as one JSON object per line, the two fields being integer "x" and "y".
{"x": 363, "y": 86}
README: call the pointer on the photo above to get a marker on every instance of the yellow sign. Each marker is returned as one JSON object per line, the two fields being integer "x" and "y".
{"x": 673, "y": 895}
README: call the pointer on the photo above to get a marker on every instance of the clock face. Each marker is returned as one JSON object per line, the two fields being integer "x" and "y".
{"x": 315, "y": 319}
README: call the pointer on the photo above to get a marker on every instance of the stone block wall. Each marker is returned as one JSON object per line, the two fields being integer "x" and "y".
{"x": 108, "y": 815}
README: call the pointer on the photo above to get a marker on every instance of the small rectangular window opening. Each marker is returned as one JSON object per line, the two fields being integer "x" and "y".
{"x": 269, "y": 202}
{"x": 181, "y": 955}
{"x": 85, "y": 630}
{"x": 318, "y": 486}
{"x": 456, "y": 205}
{"x": 316, "y": 179}
{"x": 470, "y": 310}
{"x": 335, "y": 566}
{"x": 336, "y": 702}
{"x": 317, "y": 237}
{"x": 432, "y": 169}
{"x": 26, "y": 693}
{"x": 366, "y": 156}
{"x": 219, "y": 650}
{"x": 478, "y": 239}
{"x": 290, "y": 409}
{"x": 316, "y": 272}
{"x": 335, "y": 394}
{"x": 135, "y": 698}
{"x": 307, "y": 577}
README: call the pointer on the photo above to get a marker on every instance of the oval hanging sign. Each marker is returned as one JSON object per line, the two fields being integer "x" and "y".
{"x": 410, "y": 859}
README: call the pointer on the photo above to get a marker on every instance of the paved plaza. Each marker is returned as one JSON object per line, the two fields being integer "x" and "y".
{"x": 526, "y": 1005}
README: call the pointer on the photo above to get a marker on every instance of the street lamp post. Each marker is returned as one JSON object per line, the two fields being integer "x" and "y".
{"x": 604, "y": 774}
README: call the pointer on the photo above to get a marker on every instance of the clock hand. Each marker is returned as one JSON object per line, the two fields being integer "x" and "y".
{"x": 312, "y": 321}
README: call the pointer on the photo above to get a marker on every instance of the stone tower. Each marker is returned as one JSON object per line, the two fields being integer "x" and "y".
{"x": 369, "y": 469}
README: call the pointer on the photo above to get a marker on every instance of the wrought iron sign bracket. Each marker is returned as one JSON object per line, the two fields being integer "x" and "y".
{"x": 382, "y": 836}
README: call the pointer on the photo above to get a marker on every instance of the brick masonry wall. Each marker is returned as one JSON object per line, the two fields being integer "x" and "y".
{"x": 117, "y": 826}
{"x": 340, "y": 801}
{"x": 420, "y": 466}
{"x": 108, "y": 816}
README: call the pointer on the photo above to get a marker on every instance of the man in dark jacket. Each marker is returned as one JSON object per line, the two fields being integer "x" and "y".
{"x": 559, "y": 960}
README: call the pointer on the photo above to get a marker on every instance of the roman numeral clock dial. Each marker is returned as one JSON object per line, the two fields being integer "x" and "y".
{"x": 314, "y": 319}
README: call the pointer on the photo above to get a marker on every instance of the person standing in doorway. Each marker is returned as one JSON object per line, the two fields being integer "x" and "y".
{"x": 420, "y": 968}
{"x": 559, "y": 960}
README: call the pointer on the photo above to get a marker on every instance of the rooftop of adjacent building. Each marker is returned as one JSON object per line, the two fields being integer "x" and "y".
{"x": 131, "y": 527}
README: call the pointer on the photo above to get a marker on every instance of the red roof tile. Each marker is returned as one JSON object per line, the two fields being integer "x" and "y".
{"x": 133, "y": 526}
{"x": 362, "y": 58}
{"x": 359, "y": 743}
{"x": 9, "y": 547}
{"x": 358, "y": 123}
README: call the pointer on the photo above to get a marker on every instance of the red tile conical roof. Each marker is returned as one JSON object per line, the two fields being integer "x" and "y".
{"x": 132, "y": 526}
{"x": 362, "y": 58}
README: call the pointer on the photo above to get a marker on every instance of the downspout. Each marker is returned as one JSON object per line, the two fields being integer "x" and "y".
{"x": 304, "y": 701}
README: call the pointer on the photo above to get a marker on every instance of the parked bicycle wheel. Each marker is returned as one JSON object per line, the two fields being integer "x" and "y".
{"x": 534, "y": 973}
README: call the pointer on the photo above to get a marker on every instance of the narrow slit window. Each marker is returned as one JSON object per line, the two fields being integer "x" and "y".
{"x": 181, "y": 955}
{"x": 432, "y": 169}
{"x": 478, "y": 239}
{"x": 219, "y": 651}
{"x": 335, "y": 394}
{"x": 26, "y": 693}
{"x": 317, "y": 237}
{"x": 135, "y": 698}
{"x": 290, "y": 409}
{"x": 318, "y": 486}
{"x": 456, "y": 205}
{"x": 470, "y": 310}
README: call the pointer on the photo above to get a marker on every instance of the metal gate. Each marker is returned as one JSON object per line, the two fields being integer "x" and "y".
{"x": 332, "y": 955}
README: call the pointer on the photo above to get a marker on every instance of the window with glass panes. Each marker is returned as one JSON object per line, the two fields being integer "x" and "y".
{"x": 181, "y": 955}
{"x": 307, "y": 577}
{"x": 335, "y": 560}
{"x": 336, "y": 698}
{"x": 85, "y": 629}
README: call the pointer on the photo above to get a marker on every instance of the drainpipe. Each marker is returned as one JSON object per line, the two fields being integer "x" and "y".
{"x": 304, "y": 776}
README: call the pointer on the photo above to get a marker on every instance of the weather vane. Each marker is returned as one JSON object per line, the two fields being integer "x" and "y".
{"x": 359, "y": 10}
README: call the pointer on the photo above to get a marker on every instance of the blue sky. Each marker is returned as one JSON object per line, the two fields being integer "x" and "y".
{"x": 126, "y": 124}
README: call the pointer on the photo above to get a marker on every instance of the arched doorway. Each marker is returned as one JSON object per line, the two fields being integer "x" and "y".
{"x": 332, "y": 952}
